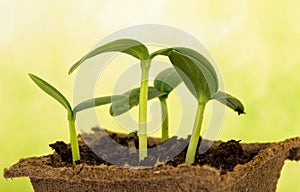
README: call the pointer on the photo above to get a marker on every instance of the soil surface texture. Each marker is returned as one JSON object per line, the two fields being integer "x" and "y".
{"x": 106, "y": 148}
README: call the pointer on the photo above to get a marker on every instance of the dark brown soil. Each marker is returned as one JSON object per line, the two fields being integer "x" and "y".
{"x": 223, "y": 156}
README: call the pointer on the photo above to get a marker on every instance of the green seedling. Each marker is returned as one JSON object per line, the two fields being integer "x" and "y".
{"x": 71, "y": 114}
{"x": 165, "y": 82}
{"x": 201, "y": 79}
{"x": 194, "y": 69}
{"x": 139, "y": 51}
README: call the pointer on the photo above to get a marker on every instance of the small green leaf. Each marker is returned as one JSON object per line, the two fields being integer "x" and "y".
{"x": 132, "y": 99}
{"x": 119, "y": 107}
{"x": 50, "y": 90}
{"x": 167, "y": 80}
{"x": 230, "y": 101}
{"x": 128, "y": 46}
{"x": 98, "y": 101}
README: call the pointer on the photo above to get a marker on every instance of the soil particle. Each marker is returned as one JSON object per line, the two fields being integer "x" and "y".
{"x": 223, "y": 156}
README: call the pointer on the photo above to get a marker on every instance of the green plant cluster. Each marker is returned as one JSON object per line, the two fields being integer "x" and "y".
{"x": 189, "y": 66}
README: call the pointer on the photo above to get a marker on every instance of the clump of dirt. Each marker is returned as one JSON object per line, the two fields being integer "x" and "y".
{"x": 95, "y": 147}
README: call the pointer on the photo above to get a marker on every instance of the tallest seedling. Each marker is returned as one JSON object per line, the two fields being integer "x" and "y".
{"x": 139, "y": 51}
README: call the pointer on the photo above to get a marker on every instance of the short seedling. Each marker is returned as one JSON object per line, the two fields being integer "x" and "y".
{"x": 53, "y": 92}
{"x": 201, "y": 79}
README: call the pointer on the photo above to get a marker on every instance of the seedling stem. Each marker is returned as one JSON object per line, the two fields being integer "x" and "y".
{"x": 145, "y": 66}
{"x": 73, "y": 139}
{"x": 190, "y": 156}
{"x": 165, "y": 118}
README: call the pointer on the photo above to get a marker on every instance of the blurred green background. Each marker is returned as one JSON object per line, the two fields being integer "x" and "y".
{"x": 255, "y": 44}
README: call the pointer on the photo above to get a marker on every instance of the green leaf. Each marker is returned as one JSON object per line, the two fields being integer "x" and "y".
{"x": 195, "y": 70}
{"x": 132, "y": 99}
{"x": 201, "y": 59}
{"x": 167, "y": 80}
{"x": 50, "y": 90}
{"x": 230, "y": 101}
{"x": 119, "y": 107}
{"x": 128, "y": 46}
{"x": 198, "y": 79}
{"x": 164, "y": 52}
{"x": 98, "y": 101}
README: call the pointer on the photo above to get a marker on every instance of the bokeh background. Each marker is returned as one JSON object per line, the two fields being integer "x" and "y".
{"x": 255, "y": 44}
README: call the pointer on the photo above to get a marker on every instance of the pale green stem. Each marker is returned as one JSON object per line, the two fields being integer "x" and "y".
{"x": 145, "y": 66}
{"x": 165, "y": 119}
{"x": 191, "y": 152}
{"x": 73, "y": 140}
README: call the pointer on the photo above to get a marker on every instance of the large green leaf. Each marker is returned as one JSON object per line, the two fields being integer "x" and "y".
{"x": 98, "y": 101}
{"x": 195, "y": 70}
{"x": 167, "y": 80}
{"x": 128, "y": 46}
{"x": 195, "y": 75}
{"x": 50, "y": 90}
{"x": 230, "y": 101}
{"x": 123, "y": 105}
{"x": 201, "y": 59}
